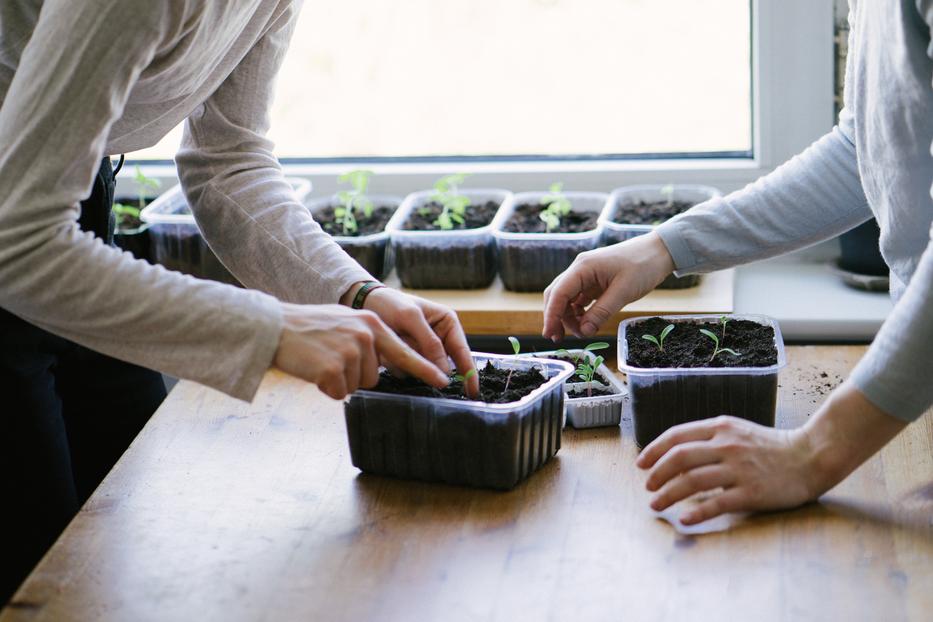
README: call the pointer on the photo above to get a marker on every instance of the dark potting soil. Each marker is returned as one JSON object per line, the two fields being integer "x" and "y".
{"x": 376, "y": 223}
{"x": 492, "y": 385}
{"x": 686, "y": 346}
{"x": 649, "y": 212}
{"x": 527, "y": 219}
{"x": 476, "y": 216}
{"x": 594, "y": 392}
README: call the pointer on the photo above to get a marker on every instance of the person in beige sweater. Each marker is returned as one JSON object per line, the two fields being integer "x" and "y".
{"x": 81, "y": 323}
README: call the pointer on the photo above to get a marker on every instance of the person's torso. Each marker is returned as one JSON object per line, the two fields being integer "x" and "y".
{"x": 889, "y": 92}
{"x": 214, "y": 37}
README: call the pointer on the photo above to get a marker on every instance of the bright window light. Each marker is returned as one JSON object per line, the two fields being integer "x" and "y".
{"x": 369, "y": 78}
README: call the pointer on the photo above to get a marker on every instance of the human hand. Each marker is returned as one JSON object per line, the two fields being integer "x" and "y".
{"x": 432, "y": 329}
{"x": 338, "y": 349}
{"x": 762, "y": 468}
{"x": 612, "y": 276}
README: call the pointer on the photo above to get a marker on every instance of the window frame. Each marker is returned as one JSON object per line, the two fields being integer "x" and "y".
{"x": 792, "y": 70}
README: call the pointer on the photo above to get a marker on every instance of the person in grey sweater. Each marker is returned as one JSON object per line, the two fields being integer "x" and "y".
{"x": 877, "y": 161}
{"x": 82, "y": 324}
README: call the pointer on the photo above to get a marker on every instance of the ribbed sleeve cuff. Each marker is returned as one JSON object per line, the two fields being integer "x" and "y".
{"x": 906, "y": 406}
{"x": 245, "y": 371}
{"x": 673, "y": 235}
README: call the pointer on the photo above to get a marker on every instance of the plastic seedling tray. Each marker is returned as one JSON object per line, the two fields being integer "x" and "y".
{"x": 664, "y": 397}
{"x": 372, "y": 251}
{"x": 460, "y": 442}
{"x": 528, "y": 262}
{"x": 613, "y": 232}
{"x": 454, "y": 259}
{"x": 591, "y": 412}
{"x": 177, "y": 242}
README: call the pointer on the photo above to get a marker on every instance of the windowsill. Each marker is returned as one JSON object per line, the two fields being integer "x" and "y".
{"x": 810, "y": 302}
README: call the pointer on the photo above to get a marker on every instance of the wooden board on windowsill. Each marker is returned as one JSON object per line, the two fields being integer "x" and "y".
{"x": 496, "y": 311}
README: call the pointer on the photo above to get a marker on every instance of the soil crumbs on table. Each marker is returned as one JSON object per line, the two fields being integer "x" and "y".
{"x": 476, "y": 216}
{"x": 687, "y": 347}
{"x": 527, "y": 219}
{"x": 649, "y": 213}
{"x": 365, "y": 226}
{"x": 492, "y": 383}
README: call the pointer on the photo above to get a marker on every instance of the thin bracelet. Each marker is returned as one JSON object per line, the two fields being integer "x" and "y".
{"x": 367, "y": 288}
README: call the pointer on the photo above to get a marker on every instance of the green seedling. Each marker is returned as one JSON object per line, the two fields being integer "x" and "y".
{"x": 454, "y": 204}
{"x": 516, "y": 348}
{"x": 353, "y": 199}
{"x": 723, "y": 320}
{"x": 464, "y": 377}
{"x": 143, "y": 186}
{"x": 587, "y": 371}
{"x": 668, "y": 193}
{"x": 659, "y": 340}
{"x": 558, "y": 205}
{"x": 599, "y": 345}
{"x": 717, "y": 349}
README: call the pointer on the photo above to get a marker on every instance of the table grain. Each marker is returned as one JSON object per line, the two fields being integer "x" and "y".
{"x": 222, "y": 510}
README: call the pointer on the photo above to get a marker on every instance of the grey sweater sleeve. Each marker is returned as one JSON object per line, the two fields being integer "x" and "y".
{"x": 246, "y": 209}
{"x": 71, "y": 84}
{"x": 815, "y": 196}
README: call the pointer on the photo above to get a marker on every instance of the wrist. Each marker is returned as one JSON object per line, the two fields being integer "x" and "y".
{"x": 656, "y": 259}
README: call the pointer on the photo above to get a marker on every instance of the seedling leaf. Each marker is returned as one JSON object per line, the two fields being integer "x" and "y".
{"x": 516, "y": 346}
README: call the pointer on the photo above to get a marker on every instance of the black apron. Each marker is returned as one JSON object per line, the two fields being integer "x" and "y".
{"x": 67, "y": 413}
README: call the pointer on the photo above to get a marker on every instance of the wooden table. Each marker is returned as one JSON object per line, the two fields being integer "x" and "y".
{"x": 497, "y": 311}
{"x": 226, "y": 511}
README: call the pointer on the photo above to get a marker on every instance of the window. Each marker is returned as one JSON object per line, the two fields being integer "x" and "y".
{"x": 374, "y": 79}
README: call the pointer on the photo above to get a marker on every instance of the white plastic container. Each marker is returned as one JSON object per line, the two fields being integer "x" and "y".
{"x": 591, "y": 412}
{"x": 177, "y": 242}
{"x": 529, "y": 262}
{"x": 614, "y": 232}
{"x": 458, "y": 441}
{"x": 372, "y": 251}
{"x": 663, "y": 397}
{"x": 454, "y": 259}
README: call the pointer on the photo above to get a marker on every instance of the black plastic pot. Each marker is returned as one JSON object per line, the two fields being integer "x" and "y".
{"x": 458, "y": 442}
{"x": 861, "y": 250}
{"x": 456, "y": 259}
{"x": 664, "y": 398}
{"x": 529, "y": 262}
{"x": 136, "y": 241}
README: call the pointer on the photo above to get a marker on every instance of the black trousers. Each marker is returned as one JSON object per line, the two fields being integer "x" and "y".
{"x": 66, "y": 415}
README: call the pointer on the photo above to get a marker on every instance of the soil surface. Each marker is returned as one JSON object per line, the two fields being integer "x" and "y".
{"x": 492, "y": 384}
{"x": 595, "y": 392}
{"x": 365, "y": 226}
{"x": 687, "y": 347}
{"x": 527, "y": 219}
{"x": 422, "y": 219}
{"x": 649, "y": 212}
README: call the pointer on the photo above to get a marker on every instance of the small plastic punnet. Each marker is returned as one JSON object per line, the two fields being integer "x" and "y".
{"x": 372, "y": 251}
{"x": 667, "y": 396}
{"x": 438, "y": 259}
{"x": 456, "y": 441}
{"x": 528, "y": 262}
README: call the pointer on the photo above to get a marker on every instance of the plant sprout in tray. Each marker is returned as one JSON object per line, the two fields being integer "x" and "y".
{"x": 353, "y": 199}
{"x": 558, "y": 205}
{"x": 659, "y": 340}
{"x": 453, "y": 204}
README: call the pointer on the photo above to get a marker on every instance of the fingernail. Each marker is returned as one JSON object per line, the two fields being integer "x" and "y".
{"x": 588, "y": 328}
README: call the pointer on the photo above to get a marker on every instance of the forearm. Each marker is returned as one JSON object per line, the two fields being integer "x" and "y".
{"x": 247, "y": 211}
{"x": 815, "y": 196}
{"x": 846, "y": 431}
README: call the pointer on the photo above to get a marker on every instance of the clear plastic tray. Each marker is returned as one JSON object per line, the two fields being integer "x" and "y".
{"x": 592, "y": 412}
{"x": 528, "y": 262}
{"x": 456, "y": 259}
{"x": 176, "y": 240}
{"x": 613, "y": 232}
{"x": 664, "y": 397}
{"x": 373, "y": 251}
{"x": 460, "y": 442}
